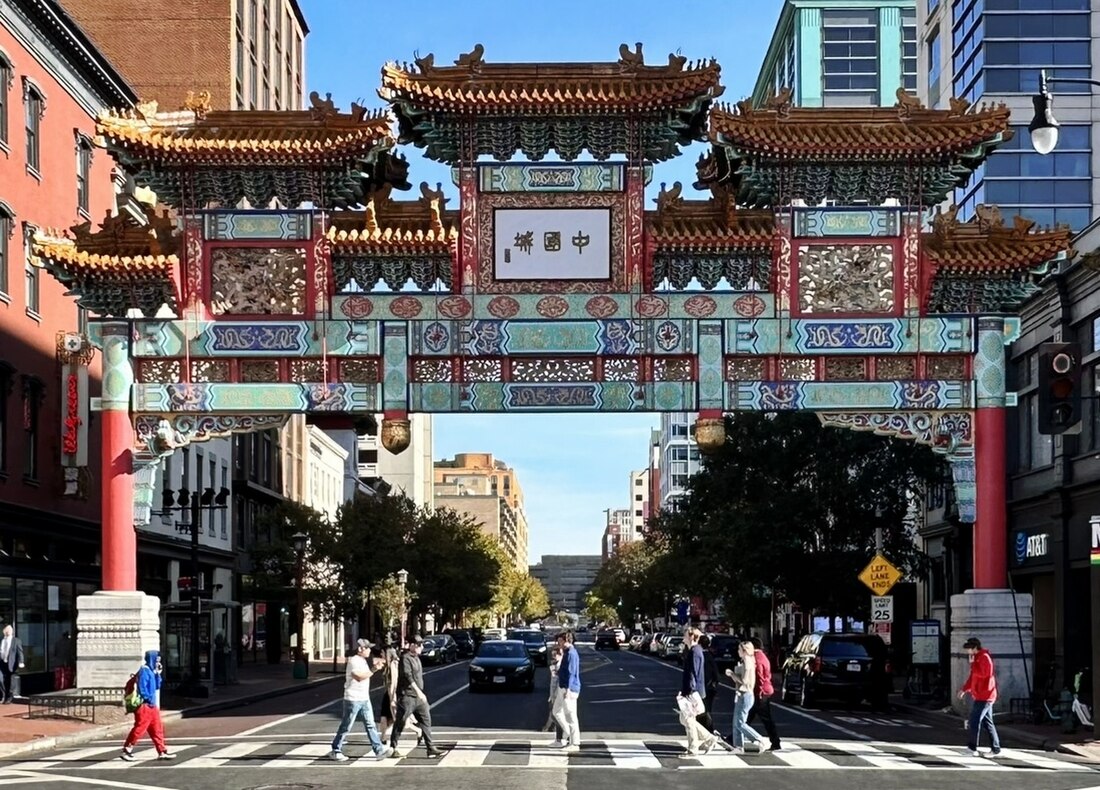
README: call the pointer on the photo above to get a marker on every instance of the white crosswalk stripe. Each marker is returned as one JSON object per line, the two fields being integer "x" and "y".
{"x": 650, "y": 753}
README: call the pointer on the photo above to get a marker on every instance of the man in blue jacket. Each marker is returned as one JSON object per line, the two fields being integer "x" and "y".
{"x": 568, "y": 692}
{"x": 693, "y": 689}
{"x": 147, "y": 716}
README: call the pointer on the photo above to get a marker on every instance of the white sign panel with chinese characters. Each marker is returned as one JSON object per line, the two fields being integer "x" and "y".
{"x": 552, "y": 244}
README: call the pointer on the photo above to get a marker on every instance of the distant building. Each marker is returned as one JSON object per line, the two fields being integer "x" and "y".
{"x": 616, "y": 532}
{"x": 489, "y": 491}
{"x": 410, "y": 473}
{"x": 249, "y": 54}
{"x": 639, "y": 504}
{"x": 841, "y": 53}
{"x": 679, "y": 458}
{"x": 567, "y": 578}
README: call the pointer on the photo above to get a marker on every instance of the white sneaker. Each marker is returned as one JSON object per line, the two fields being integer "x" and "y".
{"x": 974, "y": 752}
{"x": 557, "y": 745}
{"x": 736, "y": 750}
{"x": 382, "y": 755}
{"x": 338, "y": 757}
{"x": 572, "y": 747}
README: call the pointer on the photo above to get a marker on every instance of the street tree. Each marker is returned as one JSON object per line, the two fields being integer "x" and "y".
{"x": 789, "y": 507}
{"x": 598, "y": 611}
{"x": 636, "y": 578}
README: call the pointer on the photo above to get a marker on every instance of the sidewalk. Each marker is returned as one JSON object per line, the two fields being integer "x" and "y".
{"x": 20, "y": 734}
{"x": 1048, "y": 737}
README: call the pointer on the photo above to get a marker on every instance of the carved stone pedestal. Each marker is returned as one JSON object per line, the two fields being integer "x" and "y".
{"x": 113, "y": 631}
{"x": 1005, "y": 628}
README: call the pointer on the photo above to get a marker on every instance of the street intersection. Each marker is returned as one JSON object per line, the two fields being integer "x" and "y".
{"x": 631, "y": 738}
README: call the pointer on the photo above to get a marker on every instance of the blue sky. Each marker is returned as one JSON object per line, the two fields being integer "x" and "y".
{"x": 571, "y": 466}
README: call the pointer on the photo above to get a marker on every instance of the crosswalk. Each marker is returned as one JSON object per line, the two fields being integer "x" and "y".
{"x": 641, "y": 752}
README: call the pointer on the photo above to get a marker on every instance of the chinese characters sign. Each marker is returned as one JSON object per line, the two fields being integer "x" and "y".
{"x": 552, "y": 244}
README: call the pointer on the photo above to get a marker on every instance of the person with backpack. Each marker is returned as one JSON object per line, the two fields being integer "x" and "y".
{"x": 145, "y": 696}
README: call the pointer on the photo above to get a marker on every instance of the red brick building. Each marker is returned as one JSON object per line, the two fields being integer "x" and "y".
{"x": 52, "y": 84}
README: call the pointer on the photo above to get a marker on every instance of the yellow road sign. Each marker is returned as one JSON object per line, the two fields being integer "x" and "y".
{"x": 880, "y": 575}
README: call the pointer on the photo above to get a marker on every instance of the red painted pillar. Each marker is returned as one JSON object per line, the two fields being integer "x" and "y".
{"x": 119, "y": 538}
{"x": 990, "y": 536}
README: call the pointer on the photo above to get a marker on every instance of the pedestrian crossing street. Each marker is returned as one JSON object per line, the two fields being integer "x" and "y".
{"x": 658, "y": 752}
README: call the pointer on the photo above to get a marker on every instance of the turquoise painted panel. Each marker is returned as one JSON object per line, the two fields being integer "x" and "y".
{"x": 352, "y": 338}
{"x": 253, "y": 398}
{"x": 710, "y": 365}
{"x": 253, "y": 225}
{"x": 435, "y": 338}
{"x": 672, "y": 396}
{"x": 809, "y": 57}
{"x": 565, "y": 337}
{"x": 395, "y": 364}
{"x": 156, "y": 338}
{"x": 670, "y": 336}
{"x": 817, "y": 395}
{"x": 820, "y": 223}
{"x": 266, "y": 338}
{"x": 847, "y": 336}
{"x": 589, "y": 177}
{"x": 435, "y": 397}
{"x": 889, "y": 55}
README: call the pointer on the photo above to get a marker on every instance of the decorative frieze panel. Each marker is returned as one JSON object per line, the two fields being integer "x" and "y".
{"x": 621, "y": 369}
{"x": 253, "y": 225}
{"x": 846, "y": 278}
{"x": 483, "y": 370}
{"x": 258, "y": 281}
{"x": 945, "y": 367}
{"x": 797, "y": 369}
{"x": 360, "y": 371}
{"x": 766, "y": 336}
{"x": 864, "y": 395}
{"x": 553, "y": 370}
{"x": 164, "y": 370}
{"x": 210, "y": 370}
{"x": 826, "y": 222}
{"x": 895, "y": 368}
{"x": 845, "y": 369}
{"x": 255, "y": 398}
{"x": 255, "y": 371}
{"x": 589, "y": 177}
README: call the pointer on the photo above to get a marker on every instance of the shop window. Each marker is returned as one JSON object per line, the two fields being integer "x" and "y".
{"x": 60, "y": 625}
{"x": 7, "y": 600}
{"x": 33, "y": 394}
{"x": 30, "y": 622}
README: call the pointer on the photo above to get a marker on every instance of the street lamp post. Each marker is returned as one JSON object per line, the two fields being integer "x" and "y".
{"x": 299, "y": 540}
{"x": 402, "y": 580}
{"x": 1044, "y": 127}
{"x": 191, "y": 505}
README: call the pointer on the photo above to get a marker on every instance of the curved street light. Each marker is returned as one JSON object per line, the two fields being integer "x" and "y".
{"x": 1044, "y": 126}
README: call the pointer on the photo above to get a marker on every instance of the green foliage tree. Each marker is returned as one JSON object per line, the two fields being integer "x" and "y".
{"x": 597, "y": 611}
{"x": 789, "y": 506}
{"x": 455, "y": 567}
{"x": 639, "y": 577}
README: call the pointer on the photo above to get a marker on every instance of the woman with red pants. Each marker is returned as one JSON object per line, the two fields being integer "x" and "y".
{"x": 147, "y": 716}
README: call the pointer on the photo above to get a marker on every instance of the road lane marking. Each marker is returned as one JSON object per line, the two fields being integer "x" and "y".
{"x": 78, "y": 780}
{"x": 286, "y": 719}
{"x": 119, "y": 764}
{"x": 220, "y": 757}
{"x": 631, "y": 754}
{"x": 301, "y": 756}
{"x": 632, "y": 677}
{"x": 441, "y": 700}
{"x": 608, "y": 685}
{"x": 610, "y": 701}
{"x": 467, "y": 754}
{"x": 647, "y": 688}
{"x": 797, "y": 757}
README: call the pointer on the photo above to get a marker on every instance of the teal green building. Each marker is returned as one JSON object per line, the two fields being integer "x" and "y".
{"x": 841, "y": 53}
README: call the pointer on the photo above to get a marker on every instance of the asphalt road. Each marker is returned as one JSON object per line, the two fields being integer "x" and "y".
{"x": 630, "y": 740}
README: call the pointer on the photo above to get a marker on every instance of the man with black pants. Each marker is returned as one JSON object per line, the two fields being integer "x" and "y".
{"x": 710, "y": 678}
{"x": 411, "y": 699}
{"x": 762, "y": 706}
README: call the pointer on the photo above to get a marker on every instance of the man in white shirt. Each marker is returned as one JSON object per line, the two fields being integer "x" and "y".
{"x": 11, "y": 661}
{"x": 360, "y": 667}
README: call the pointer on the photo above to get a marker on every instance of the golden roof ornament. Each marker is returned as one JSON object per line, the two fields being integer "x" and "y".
{"x": 670, "y": 199}
{"x": 907, "y": 103}
{"x": 472, "y": 59}
{"x": 322, "y": 109}
{"x": 634, "y": 59}
{"x": 781, "y": 102}
{"x": 198, "y": 103}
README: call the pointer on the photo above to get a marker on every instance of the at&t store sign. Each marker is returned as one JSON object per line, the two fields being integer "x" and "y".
{"x": 1032, "y": 547}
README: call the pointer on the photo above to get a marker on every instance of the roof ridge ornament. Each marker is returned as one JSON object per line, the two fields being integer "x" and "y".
{"x": 322, "y": 109}
{"x": 635, "y": 59}
{"x": 474, "y": 59}
{"x": 198, "y": 103}
{"x": 958, "y": 106}
{"x": 907, "y": 104}
{"x": 668, "y": 200}
{"x": 424, "y": 64}
{"x": 781, "y": 102}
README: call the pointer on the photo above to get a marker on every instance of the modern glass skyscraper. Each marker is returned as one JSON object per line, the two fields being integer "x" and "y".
{"x": 992, "y": 51}
{"x": 841, "y": 53}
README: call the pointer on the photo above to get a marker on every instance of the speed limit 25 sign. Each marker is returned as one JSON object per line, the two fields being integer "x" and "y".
{"x": 882, "y": 608}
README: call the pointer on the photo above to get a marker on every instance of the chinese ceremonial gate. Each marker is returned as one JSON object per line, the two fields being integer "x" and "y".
{"x": 813, "y": 278}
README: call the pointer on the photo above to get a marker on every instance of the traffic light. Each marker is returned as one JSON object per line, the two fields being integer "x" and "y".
{"x": 1059, "y": 388}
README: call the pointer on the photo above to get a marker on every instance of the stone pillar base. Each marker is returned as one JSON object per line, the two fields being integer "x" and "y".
{"x": 992, "y": 617}
{"x": 113, "y": 631}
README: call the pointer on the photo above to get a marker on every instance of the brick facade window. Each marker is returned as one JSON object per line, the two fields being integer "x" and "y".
{"x": 7, "y": 230}
{"x": 7, "y": 74}
{"x": 34, "y": 106}
{"x": 83, "y": 172}
{"x": 33, "y": 393}
{"x": 30, "y": 271}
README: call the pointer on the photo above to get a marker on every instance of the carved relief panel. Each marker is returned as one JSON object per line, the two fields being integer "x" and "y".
{"x": 846, "y": 279}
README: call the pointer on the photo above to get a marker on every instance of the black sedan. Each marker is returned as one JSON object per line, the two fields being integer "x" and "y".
{"x": 535, "y": 642}
{"x": 439, "y": 649}
{"x": 606, "y": 640}
{"x": 466, "y": 641}
{"x": 502, "y": 664}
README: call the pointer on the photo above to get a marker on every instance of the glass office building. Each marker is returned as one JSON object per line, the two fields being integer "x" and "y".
{"x": 991, "y": 51}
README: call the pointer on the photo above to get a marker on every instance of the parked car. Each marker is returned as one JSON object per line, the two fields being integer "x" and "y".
{"x": 672, "y": 647}
{"x": 620, "y": 634}
{"x": 724, "y": 648}
{"x": 466, "y": 641}
{"x": 501, "y": 664}
{"x": 439, "y": 649}
{"x": 535, "y": 641}
{"x": 606, "y": 640}
{"x": 655, "y": 645}
{"x": 851, "y": 667}
{"x": 647, "y": 640}
{"x": 635, "y": 641}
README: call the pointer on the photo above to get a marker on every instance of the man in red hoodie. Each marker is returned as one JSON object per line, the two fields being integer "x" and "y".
{"x": 982, "y": 688}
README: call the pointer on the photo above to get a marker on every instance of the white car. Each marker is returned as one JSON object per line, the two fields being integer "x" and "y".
{"x": 492, "y": 635}
{"x": 671, "y": 647}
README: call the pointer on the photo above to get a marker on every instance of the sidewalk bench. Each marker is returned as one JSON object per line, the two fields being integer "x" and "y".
{"x": 72, "y": 703}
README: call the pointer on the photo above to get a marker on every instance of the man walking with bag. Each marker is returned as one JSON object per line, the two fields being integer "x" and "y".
{"x": 360, "y": 667}
{"x": 147, "y": 714}
{"x": 689, "y": 702}
{"x": 982, "y": 688}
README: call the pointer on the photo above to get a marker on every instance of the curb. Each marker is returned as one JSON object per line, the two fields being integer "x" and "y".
{"x": 1029, "y": 738}
{"x": 107, "y": 731}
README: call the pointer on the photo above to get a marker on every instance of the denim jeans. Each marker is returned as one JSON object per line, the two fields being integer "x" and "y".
{"x": 981, "y": 715}
{"x": 741, "y": 729}
{"x": 354, "y": 709}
